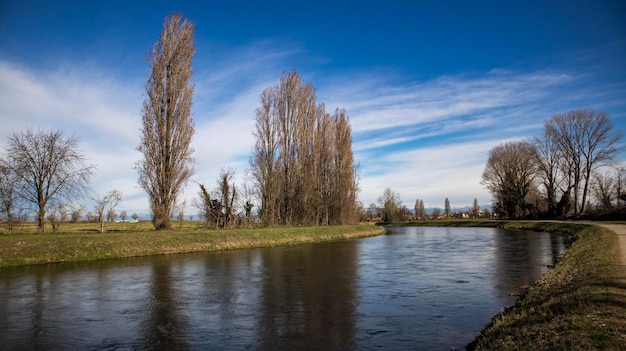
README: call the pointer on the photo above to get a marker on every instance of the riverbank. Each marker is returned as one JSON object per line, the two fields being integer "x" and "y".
{"x": 579, "y": 305}
{"x": 130, "y": 241}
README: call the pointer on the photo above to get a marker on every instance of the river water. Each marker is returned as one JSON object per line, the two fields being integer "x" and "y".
{"x": 415, "y": 288}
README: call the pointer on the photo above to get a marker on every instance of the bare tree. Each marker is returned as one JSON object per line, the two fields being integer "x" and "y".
{"x": 603, "y": 189}
{"x": 123, "y": 216}
{"x": 105, "y": 206}
{"x": 264, "y": 154}
{"x": 9, "y": 199}
{"x": 549, "y": 171}
{"x": 206, "y": 206}
{"x": 57, "y": 215}
{"x": 227, "y": 193}
{"x": 447, "y": 207}
{"x": 588, "y": 140}
{"x": 181, "y": 215}
{"x": 302, "y": 163}
{"x": 391, "y": 204}
{"x": 111, "y": 216}
{"x": 50, "y": 169}
{"x": 167, "y": 124}
{"x": 76, "y": 214}
{"x": 620, "y": 180}
{"x": 509, "y": 175}
{"x": 420, "y": 212}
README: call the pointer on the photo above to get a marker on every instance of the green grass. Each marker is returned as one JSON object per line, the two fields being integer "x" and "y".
{"x": 579, "y": 305}
{"x": 82, "y": 242}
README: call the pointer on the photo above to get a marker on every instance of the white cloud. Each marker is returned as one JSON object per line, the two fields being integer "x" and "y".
{"x": 379, "y": 105}
{"x": 426, "y": 139}
{"x": 430, "y": 139}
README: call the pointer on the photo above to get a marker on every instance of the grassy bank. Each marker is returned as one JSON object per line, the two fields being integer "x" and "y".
{"x": 78, "y": 243}
{"x": 579, "y": 305}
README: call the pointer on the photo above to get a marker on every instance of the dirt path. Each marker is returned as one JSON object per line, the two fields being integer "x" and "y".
{"x": 620, "y": 229}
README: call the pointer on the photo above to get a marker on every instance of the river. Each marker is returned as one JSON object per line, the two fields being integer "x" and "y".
{"x": 418, "y": 288}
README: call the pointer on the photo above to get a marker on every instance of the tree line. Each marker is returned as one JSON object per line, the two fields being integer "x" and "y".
{"x": 391, "y": 209}
{"x": 302, "y": 167}
{"x": 556, "y": 173}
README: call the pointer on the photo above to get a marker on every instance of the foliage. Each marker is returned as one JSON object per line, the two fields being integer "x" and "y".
{"x": 167, "y": 126}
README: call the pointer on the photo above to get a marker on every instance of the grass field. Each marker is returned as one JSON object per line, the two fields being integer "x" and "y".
{"x": 77, "y": 242}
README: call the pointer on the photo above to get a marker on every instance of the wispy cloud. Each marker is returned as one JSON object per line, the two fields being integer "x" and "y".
{"x": 425, "y": 139}
{"x": 430, "y": 139}
{"x": 105, "y": 113}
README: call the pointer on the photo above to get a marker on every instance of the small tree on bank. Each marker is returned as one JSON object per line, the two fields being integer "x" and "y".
{"x": 167, "y": 124}
{"x": 105, "y": 206}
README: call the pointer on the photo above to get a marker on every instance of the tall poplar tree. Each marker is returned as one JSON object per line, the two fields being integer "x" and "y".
{"x": 302, "y": 162}
{"x": 168, "y": 127}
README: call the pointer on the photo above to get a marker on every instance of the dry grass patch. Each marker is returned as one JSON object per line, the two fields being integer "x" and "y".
{"x": 76, "y": 244}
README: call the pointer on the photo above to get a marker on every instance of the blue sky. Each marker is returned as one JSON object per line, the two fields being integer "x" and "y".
{"x": 430, "y": 87}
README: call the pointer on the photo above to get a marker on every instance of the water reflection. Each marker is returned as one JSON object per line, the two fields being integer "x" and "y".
{"x": 165, "y": 324}
{"x": 308, "y": 298}
{"x": 416, "y": 288}
{"x": 523, "y": 258}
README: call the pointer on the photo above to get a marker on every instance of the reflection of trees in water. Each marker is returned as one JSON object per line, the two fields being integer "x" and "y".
{"x": 229, "y": 298}
{"x": 164, "y": 328}
{"x": 558, "y": 244}
{"x": 522, "y": 258}
{"x": 38, "y": 328}
{"x": 34, "y": 311}
{"x": 303, "y": 305}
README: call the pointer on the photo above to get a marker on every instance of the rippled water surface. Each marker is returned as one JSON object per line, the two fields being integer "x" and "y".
{"x": 415, "y": 288}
